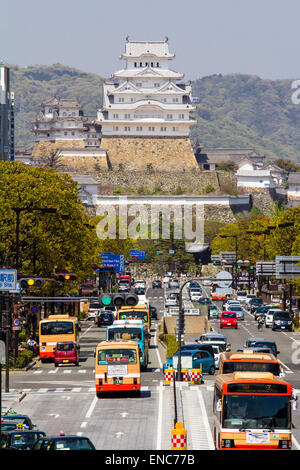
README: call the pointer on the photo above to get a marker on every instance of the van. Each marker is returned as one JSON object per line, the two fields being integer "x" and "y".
{"x": 66, "y": 353}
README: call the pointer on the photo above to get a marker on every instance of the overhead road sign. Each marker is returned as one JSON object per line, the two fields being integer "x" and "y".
{"x": 228, "y": 256}
{"x": 287, "y": 267}
{"x": 116, "y": 261}
{"x": 8, "y": 280}
{"x": 136, "y": 254}
{"x": 265, "y": 268}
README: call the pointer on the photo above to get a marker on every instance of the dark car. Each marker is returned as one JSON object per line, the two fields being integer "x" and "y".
{"x": 63, "y": 443}
{"x": 254, "y": 304}
{"x": 19, "y": 439}
{"x": 205, "y": 347}
{"x": 139, "y": 291}
{"x": 282, "y": 321}
{"x": 156, "y": 284}
{"x": 262, "y": 343}
{"x": 105, "y": 318}
{"x": 15, "y": 418}
{"x": 153, "y": 312}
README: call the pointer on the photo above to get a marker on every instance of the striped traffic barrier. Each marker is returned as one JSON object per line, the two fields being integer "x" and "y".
{"x": 185, "y": 375}
{"x": 179, "y": 437}
{"x": 196, "y": 376}
{"x": 168, "y": 376}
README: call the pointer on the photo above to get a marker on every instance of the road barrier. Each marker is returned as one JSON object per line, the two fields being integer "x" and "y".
{"x": 179, "y": 437}
{"x": 193, "y": 376}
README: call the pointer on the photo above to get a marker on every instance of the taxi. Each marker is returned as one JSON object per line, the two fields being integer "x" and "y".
{"x": 228, "y": 320}
{"x": 20, "y": 438}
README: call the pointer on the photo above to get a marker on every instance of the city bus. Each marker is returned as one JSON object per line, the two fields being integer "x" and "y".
{"x": 133, "y": 330}
{"x": 117, "y": 367}
{"x": 230, "y": 362}
{"x": 138, "y": 312}
{"x": 56, "y": 329}
{"x": 252, "y": 410}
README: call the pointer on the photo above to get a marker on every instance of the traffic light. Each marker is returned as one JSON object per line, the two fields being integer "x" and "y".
{"x": 27, "y": 282}
{"x": 63, "y": 277}
{"x": 118, "y": 300}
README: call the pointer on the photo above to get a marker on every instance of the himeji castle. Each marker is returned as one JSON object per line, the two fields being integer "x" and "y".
{"x": 146, "y": 113}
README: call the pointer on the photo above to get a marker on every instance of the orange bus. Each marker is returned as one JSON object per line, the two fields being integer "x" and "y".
{"x": 138, "y": 312}
{"x": 117, "y": 367}
{"x": 248, "y": 361}
{"x": 252, "y": 410}
{"x": 56, "y": 329}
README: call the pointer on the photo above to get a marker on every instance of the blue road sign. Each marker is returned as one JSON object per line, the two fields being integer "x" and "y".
{"x": 136, "y": 254}
{"x": 116, "y": 261}
{"x": 8, "y": 280}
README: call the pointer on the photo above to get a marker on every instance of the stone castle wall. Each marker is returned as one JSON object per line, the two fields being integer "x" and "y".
{"x": 161, "y": 153}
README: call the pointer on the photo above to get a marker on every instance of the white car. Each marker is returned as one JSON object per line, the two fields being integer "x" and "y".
{"x": 195, "y": 296}
{"x": 241, "y": 295}
{"x": 171, "y": 300}
{"x": 166, "y": 279}
{"x": 207, "y": 282}
{"x": 269, "y": 316}
{"x": 140, "y": 283}
{"x": 93, "y": 311}
{"x": 217, "y": 351}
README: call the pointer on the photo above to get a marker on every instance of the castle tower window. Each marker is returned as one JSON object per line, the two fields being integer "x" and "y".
{"x": 157, "y": 64}
{"x": 135, "y": 64}
{"x": 141, "y": 64}
{"x": 151, "y": 129}
{"x": 121, "y": 100}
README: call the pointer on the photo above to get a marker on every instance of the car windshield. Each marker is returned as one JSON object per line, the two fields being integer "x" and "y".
{"x": 8, "y": 426}
{"x": 213, "y": 338}
{"x": 133, "y": 334}
{"x": 95, "y": 306}
{"x": 74, "y": 443}
{"x": 282, "y": 316}
{"x": 256, "y": 411}
{"x": 57, "y": 328}
{"x": 24, "y": 440}
{"x": 235, "y": 308}
{"x": 117, "y": 356}
{"x": 259, "y": 344}
{"x": 237, "y": 366}
{"x": 241, "y": 293}
{"x": 65, "y": 346}
{"x": 228, "y": 315}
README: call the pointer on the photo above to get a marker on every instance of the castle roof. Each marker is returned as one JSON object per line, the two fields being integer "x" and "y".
{"x": 136, "y": 49}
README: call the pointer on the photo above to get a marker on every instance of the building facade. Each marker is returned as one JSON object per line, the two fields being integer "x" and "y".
{"x": 6, "y": 116}
{"x": 146, "y": 113}
{"x": 62, "y": 120}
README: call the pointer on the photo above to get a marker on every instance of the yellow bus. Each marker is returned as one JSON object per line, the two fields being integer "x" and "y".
{"x": 252, "y": 410}
{"x": 117, "y": 367}
{"x": 248, "y": 361}
{"x": 56, "y": 329}
{"x": 137, "y": 312}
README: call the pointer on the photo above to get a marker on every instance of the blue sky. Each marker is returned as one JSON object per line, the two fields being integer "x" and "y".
{"x": 258, "y": 37}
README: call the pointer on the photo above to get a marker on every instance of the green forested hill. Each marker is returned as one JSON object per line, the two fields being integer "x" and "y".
{"x": 247, "y": 111}
{"x": 234, "y": 110}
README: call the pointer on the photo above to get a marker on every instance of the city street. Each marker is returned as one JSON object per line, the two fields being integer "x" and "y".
{"x": 63, "y": 398}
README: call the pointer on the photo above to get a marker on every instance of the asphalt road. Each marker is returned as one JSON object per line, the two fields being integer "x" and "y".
{"x": 64, "y": 398}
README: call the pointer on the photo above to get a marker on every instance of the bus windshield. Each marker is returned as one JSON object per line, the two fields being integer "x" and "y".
{"x": 237, "y": 366}
{"x": 135, "y": 314}
{"x": 133, "y": 334}
{"x": 57, "y": 328}
{"x": 256, "y": 411}
{"x": 117, "y": 356}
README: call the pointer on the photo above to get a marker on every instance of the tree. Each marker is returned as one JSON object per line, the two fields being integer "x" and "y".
{"x": 65, "y": 238}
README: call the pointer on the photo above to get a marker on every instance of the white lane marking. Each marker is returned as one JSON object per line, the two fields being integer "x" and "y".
{"x": 205, "y": 420}
{"x": 159, "y": 420}
{"x": 91, "y": 408}
{"x": 84, "y": 424}
{"x": 295, "y": 442}
{"x": 53, "y": 371}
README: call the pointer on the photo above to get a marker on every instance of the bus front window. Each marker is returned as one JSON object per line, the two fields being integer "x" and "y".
{"x": 117, "y": 356}
{"x": 256, "y": 412}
